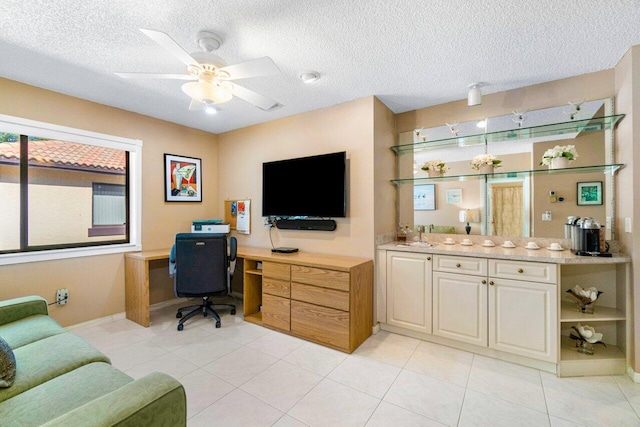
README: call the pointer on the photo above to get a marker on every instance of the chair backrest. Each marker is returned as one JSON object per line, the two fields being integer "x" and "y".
{"x": 202, "y": 264}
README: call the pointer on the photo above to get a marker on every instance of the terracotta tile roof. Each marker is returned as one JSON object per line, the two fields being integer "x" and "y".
{"x": 67, "y": 154}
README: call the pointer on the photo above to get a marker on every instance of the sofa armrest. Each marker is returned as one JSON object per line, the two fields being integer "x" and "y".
{"x": 20, "y": 308}
{"x": 153, "y": 400}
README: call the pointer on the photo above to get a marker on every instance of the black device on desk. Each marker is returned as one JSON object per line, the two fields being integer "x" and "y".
{"x": 284, "y": 250}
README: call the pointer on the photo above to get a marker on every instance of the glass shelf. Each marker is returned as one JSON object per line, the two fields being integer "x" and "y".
{"x": 542, "y": 131}
{"x": 511, "y": 174}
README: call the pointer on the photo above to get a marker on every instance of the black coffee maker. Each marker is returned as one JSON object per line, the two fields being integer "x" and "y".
{"x": 588, "y": 242}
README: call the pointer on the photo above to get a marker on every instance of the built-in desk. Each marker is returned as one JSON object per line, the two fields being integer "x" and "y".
{"x": 323, "y": 298}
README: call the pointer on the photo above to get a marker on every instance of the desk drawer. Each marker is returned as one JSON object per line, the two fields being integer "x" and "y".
{"x": 276, "y": 270}
{"x": 520, "y": 270}
{"x": 276, "y": 312}
{"x": 281, "y": 288}
{"x": 320, "y": 324}
{"x": 320, "y": 277}
{"x": 456, "y": 264}
{"x": 321, "y": 296}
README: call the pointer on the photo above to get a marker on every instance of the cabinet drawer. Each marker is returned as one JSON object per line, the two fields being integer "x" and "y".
{"x": 320, "y": 324}
{"x": 519, "y": 270}
{"x": 455, "y": 264}
{"x": 320, "y": 277}
{"x": 276, "y": 312}
{"x": 320, "y": 296}
{"x": 281, "y": 288}
{"x": 276, "y": 270}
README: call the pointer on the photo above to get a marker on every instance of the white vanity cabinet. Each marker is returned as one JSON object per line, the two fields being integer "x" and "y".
{"x": 409, "y": 290}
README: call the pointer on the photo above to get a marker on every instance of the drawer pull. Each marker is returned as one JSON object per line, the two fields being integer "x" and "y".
{"x": 491, "y": 283}
{"x": 428, "y": 258}
{"x": 520, "y": 270}
{"x": 484, "y": 282}
{"x": 458, "y": 265}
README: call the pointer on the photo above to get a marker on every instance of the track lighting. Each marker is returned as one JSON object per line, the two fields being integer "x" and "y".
{"x": 475, "y": 94}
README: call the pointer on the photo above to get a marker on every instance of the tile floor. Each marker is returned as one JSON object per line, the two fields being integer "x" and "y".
{"x": 246, "y": 375}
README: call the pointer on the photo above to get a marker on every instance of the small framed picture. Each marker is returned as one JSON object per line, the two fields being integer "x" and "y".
{"x": 182, "y": 179}
{"x": 454, "y": 195}
{"x": 589, "y": 193}
{"x": 424, "y": 197}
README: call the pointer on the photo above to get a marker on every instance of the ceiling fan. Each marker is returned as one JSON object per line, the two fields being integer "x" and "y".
{"x": 212, "y": 76}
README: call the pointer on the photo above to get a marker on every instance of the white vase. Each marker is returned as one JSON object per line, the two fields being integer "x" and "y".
{"x": 434, "y": 174}
{"x": 559, "y": 163}
{"x": 486, "y": 169}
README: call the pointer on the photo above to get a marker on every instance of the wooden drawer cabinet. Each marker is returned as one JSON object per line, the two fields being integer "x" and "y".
{"x": 320, "y": 296}
{"x": 462, "y": 265}
{"x": 276, "y": 287}
{"x": 321, "y": 324}
{"x": 519, "y": 270}
{"x": 320, "y": 277}
{"x": 276, "y": 312}
{"x": 276, "y": 270}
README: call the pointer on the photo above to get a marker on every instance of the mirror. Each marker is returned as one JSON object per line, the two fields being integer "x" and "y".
{"x": 521, "y": 198}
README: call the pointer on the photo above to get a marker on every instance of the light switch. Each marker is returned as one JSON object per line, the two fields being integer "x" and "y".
{"x": 627, "y": 225}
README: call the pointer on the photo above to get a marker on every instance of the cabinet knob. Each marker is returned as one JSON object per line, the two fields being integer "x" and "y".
{"x": 491, "y": 283}
{"x": 458, "y": 265}
{"x": 484, "y": 282}
{"x": 520, "y": 270}
{"x": 428, "y": 258}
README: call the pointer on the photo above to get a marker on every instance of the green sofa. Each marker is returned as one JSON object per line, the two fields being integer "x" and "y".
{"x": 61, "y": 380}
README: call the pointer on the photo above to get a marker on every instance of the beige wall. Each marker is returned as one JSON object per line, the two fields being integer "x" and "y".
{"x": 385, "y": 164}
{"x": 345, "y": 127}
{"x": 96, "y": 284}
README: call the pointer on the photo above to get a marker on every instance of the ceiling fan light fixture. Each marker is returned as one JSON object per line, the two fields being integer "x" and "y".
{"x": 309, "y": 76}
{"x": 209, "y": 106}
{"x": 216, "y": 93}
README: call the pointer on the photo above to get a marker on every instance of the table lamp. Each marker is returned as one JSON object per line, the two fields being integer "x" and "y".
{"x": 463, "y": 216}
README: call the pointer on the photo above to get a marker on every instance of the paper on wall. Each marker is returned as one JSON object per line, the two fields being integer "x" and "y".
{"x": 243, "y": 225}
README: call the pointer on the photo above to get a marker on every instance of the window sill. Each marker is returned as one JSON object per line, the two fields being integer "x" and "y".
{"x": 51, "y": 255}
{"x": 107, "y": 230}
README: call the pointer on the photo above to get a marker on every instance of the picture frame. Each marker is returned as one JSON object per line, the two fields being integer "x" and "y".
{"x": 454, "y": 195}
{"x": 424, "y": 197}
{"x": 589, "y": 193}
{"x": 182, "y": 178}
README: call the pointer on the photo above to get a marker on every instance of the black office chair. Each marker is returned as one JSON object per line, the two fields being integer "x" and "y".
{"x": 199, "y": 263}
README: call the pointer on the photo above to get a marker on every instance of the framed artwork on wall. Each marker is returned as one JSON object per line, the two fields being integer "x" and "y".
{"x": 589, "y": 193}
{"x": 454, "y": 195}
{"x": 182, "y": 179}
{"x": 424, "y": 197}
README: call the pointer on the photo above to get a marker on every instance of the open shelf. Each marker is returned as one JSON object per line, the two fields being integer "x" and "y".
{"x": 542, "y": 131}
{"x": 512, "y": 174}
{"x": 254, "y": 318}
{"x": 605, "y": 361}
{"x": 569, "y": 313}
{"x": 254, "y": 271}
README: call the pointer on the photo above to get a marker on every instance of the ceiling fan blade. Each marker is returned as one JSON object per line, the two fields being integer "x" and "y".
{"x": 195, "y": 105}
{"x": 257, "y": 67}
{"x": 254, "y": 98}
{"x": 155, "y": 76}
{"x": 168, "y": 43}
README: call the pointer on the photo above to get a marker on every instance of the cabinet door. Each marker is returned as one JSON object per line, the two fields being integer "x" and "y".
{"x": 409, "y": 290}
{"x": 460, "y": 307}
{"x": 321, "y": 324}
{"x": 523, "y": 318}
{"x": 276, "y": 312}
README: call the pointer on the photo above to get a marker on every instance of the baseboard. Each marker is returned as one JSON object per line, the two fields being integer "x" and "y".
{"x": 375, "y": 329}
{"x": 96, "y": 322}
{"x": 635, "y": 377}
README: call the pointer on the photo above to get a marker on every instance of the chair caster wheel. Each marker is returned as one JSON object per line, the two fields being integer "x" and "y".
{"x": 205, "y": 314}
{"x": 178, "y": 315}
{"x": 218, "y": 324}
{"x": 233, "y": 311}
{"x": 180, "y": 327}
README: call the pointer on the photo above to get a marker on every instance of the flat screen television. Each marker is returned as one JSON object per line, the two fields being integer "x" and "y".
{"x": 312, "y": 186}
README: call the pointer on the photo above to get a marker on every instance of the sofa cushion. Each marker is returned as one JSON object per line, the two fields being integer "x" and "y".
{"x": 48, "y": 358}
{"x": 7, "y": 364}
{"x": 30, "y": 329}
{"x": 62, "y": 394}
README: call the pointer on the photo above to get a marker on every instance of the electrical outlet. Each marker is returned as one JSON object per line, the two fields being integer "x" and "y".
{"x": 546, "y": 216}
{"x": 627, "y": 225}
{"x": 62, "y": 296}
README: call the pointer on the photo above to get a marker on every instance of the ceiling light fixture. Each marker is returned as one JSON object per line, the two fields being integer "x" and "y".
{"x": 475, "y": 94}
{"x": 215, "y": 92}
{"x": 309, "y": 76}
{"x": 209, "y": 106}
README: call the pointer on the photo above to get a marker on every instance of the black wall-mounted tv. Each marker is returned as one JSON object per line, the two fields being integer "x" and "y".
{"x": 312, "y": 186}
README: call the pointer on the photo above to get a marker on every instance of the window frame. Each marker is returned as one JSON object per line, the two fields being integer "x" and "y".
{"x": 22, "y": 126}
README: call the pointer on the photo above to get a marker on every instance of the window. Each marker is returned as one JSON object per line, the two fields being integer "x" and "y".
{"x": 66, "y": 192}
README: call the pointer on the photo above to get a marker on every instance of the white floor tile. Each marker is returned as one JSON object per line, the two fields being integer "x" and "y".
{"x": 389, "y": 348}
{"x": 242, "y": 333}
{"x": 240, "y": 365}
{"x": 206, "y": 351}
{"x": 316, "y": 358}
{"x": 237, "y": 409}
{"x": 288, "y": 421}
{"x": 630, "y": 389}
{"x": 203, "y": 389}
{"x": 276, "y": 344}
{"x": 481, "y": 410}
{"x": 332, "y": 404}
{"x": 369, "y": 376}
{"x": 391, "y": 415}
{"x": 170, "y": 364}
{"x": 443, "y": 363}
{"x": 281, "y": 385}
{"x": 174, "y": 340}
{"x": 125, "y": 358}
{"x": 435, "y": 399}
{"x": 559, "y": 422}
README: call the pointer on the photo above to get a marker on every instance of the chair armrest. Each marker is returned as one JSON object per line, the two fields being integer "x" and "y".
{"x": 153, "y": 400}
{"x": 20, "y": 308}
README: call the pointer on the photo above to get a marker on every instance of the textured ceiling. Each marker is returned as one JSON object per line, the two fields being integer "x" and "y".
{"x": 409, "y": 54}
